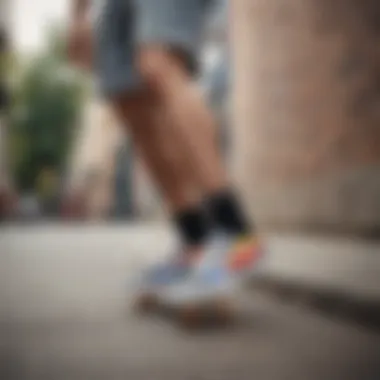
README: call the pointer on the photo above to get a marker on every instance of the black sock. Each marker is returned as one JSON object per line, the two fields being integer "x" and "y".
{"x": 227, "y": 213}
{"x": 192, "y": 225}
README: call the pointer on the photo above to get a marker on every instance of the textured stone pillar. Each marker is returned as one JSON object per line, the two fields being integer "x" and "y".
{"x": 307, "y": 110}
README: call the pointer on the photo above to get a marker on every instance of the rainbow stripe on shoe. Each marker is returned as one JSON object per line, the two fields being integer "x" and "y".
{"x": 244, "y": 255}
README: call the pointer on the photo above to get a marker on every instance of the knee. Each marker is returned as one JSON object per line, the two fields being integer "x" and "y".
{"x": 158, "y": 66}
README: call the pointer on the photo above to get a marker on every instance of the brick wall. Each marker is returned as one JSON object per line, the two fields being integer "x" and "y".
{"x": 307, "y": 110}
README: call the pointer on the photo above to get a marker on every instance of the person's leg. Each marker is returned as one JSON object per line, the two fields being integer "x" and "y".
{"x": 188, "y": 120}
{"x": 136, "y": 106}
{"x": 167, "y": 36}
{"x": 193, "y": 132}
{"x": 162, "y": 157}
{"x": 164, "y": 51}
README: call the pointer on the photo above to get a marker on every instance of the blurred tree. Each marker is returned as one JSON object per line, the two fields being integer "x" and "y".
{"x": 47, "y": 102}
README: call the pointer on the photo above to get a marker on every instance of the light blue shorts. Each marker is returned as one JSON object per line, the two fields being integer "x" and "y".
{"x": 124, "y": 25}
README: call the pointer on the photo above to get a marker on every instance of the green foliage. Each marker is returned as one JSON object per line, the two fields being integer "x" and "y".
{"x": 47, "y": 101}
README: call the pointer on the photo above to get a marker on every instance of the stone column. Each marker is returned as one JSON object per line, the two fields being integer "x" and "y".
{"x": 307, "y": 111}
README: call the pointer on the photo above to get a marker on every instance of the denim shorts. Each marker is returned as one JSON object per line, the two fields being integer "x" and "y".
{"x": 124, "y": 25}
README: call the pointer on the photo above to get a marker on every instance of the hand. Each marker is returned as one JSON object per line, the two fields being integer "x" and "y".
{"x": 80, "y": 44}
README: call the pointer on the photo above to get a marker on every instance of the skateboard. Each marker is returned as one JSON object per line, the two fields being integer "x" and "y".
{"x": 214, "y": 312}
{"x": 210, "y": 312}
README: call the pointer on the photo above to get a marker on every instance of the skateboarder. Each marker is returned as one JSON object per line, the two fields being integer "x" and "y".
{"x": 145, "y": 56}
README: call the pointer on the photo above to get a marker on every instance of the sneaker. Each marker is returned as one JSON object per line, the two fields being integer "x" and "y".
{"x": 227, "y": 262}
{"x": 171, "y": 271}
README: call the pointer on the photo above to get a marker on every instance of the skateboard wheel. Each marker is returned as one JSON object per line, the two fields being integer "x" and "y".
{"x": 145, "y": 303}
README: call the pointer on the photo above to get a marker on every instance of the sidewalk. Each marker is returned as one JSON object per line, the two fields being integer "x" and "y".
{"x": 66, "y": 293}
{"x": 337, "y": 275}
{"x": 327, "y": 262}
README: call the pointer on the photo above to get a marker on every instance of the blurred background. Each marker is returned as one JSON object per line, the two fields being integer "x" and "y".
{"x": 299, "y": 127}
{"x": 64, "y": 156}
{"x": 295, "y": 85}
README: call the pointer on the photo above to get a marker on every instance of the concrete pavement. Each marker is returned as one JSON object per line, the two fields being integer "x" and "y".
{"x": 64, "y": 314}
